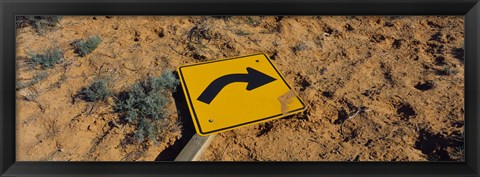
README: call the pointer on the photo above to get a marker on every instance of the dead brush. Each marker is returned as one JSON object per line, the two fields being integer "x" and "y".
{"x": 41, "y": 24}
{"x": 242, "y": 32}
{"x": 252, "y": 21}
{"x": 300, "y": 47}
{"x": 63, "y": 77}
{"x": 446, "y": 71}
{"x": 195, "y": 40}
{"x": 36, "y": 79}
{"x": 28, "y": 94}
{"x": 198, "y": 33}
{"x": 358, "y": 110}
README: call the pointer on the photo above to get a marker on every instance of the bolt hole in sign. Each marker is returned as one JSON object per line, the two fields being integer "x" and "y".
{"x": 230, "y": 93}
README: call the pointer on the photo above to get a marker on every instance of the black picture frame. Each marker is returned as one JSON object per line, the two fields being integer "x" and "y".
{"x": 470, "y": 9}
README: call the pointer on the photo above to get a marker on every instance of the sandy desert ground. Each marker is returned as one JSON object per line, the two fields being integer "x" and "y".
{"x": 376, "y": 88}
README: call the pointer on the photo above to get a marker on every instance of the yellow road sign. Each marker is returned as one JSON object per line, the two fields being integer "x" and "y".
{"x": 230, "y": 93}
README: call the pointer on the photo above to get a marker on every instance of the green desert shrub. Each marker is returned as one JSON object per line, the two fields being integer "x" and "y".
{"x": 242, "y": 32}
{"x": 47, "y": 59}
{"x": 143, "y": 105}
{"x": 40, "y": 24}
{"x": 166, "y": 81}
{"x": 84, "y": 47}
{"x": 97, "y": 91}
{"x": 252, "y": 21}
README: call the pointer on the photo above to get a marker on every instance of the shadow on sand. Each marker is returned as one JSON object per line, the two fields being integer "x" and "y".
{"x": 171, "y": 152}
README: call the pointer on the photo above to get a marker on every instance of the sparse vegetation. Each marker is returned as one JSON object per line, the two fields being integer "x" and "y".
{"x": 195, "y": 40}
{"x": 223, "y": 17}
{"x": 300, "y": 47}
{"x": 38, "y": 77}
{"x": 40, "y": 24}
{"x": 85, "y": 47}
{"x": 447, "y": 71}
{"x": 28, "y": 94}
{"x": 123, "y": 105}
{"x": 97, "y": 91}
{"x": 47, "y": 59}
{"x": 252, "y": 21}
{"x": 360, "y": 109}
{"x": 143, "y": 105}
{"x": 242, "y": 32}
{"x": 319, "y": 41}
{"x": 199, "y": 33}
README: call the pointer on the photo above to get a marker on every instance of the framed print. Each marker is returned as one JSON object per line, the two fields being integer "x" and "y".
{"x": 265, "y": 88}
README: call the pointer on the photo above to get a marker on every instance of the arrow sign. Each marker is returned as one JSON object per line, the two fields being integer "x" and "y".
{"x": 259, "y": 93}
{"x": 253, "y": 77}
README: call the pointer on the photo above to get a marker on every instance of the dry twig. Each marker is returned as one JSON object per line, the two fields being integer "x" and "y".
{"x": 352, "y": 115}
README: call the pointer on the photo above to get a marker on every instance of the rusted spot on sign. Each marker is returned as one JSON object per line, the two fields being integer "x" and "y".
{"x": 285, "y": 99}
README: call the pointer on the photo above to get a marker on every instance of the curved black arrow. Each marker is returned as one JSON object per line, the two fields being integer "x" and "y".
{"x": 253, "y": 77}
